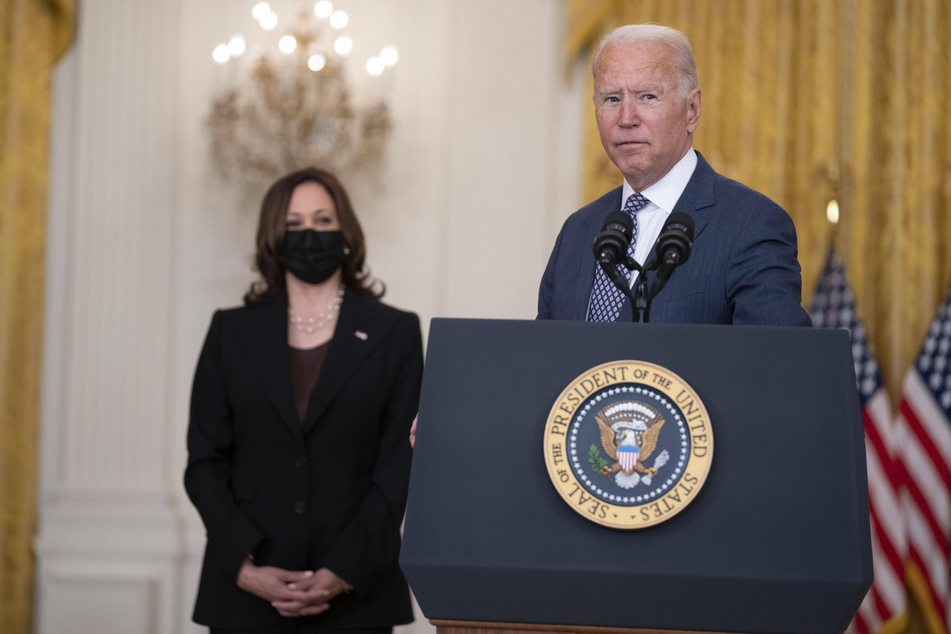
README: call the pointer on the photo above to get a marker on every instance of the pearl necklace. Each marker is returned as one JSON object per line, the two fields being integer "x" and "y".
{"x": 309, "y": 324}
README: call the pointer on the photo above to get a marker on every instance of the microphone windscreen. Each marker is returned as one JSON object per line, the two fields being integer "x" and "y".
{"x": 680, "y": 221}
{"x": 621, "y": 222}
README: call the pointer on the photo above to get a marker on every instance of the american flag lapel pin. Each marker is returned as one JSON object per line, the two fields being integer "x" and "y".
{"x": 362, "y": 336}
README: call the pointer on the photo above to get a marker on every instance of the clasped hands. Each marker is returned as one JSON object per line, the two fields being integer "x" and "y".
{"x": 291, "y": 593}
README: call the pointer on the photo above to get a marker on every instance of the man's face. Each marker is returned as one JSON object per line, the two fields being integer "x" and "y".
{"x": 646, "y": 126}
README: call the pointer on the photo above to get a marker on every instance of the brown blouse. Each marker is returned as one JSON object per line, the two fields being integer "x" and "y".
{"x": 305, "y": 370}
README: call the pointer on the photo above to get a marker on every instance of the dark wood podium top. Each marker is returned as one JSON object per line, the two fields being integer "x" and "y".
{"x": 488, "y": 627}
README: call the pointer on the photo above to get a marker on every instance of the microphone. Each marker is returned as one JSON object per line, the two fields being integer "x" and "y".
{"x": 610, "y": 246}
{"x": 673, "y": 243}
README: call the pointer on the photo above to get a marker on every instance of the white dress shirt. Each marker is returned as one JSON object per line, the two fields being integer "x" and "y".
{"x": 662, "y": 197}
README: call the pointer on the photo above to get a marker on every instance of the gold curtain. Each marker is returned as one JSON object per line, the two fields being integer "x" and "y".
{"x": 812, "y": 100}
{"x": 33, "y": 35}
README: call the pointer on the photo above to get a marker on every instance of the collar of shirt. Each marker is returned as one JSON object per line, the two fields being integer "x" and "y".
{"x": 667, "y": 191}
{"x": 662, "y": 197}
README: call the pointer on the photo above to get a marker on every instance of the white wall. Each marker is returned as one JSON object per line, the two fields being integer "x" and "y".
{"x": 144, "y": 243}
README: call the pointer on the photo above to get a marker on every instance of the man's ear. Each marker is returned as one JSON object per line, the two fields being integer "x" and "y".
{"x": 693, "y": 110}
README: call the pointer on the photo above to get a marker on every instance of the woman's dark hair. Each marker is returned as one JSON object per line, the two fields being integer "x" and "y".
{"x": 270, "y": 237}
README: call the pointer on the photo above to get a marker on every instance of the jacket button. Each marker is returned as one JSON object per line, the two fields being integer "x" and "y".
{"x": 300, "y": 462}
{"x": 299, "y": 507}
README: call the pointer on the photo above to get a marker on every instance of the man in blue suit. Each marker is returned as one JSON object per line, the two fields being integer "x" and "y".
{"x": 742, "y": 268}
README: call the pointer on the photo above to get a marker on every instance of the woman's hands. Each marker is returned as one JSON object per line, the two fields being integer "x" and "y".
{"x": 412, "y": 432}
{"x": 316, "y": 591}
{"x": 291, "y": 593}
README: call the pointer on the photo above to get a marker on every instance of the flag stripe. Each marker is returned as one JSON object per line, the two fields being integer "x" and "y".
{"x": 882, "y": 611}
{"x": 923, "y": 512}
{"x": 924, "y": 486}
{"x": 888, "y": 567}
{"x": 883, "y": 497}
{"x": 878, "y": 412}
{"x": 930, "y": 415}
{"x": 930, "y": 448}
{"x": 921, "y": 472}
{"x": 859, "y": 625}
{"x": 930, "y": 561}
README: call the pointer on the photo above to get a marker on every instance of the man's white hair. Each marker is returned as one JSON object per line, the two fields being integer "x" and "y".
{"x": 684, "y": 63}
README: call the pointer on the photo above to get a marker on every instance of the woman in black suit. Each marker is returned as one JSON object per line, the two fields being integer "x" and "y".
{"x": 298, "y": 458}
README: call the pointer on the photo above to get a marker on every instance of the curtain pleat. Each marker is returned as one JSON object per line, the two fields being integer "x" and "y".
{"x": 33, "y": 35}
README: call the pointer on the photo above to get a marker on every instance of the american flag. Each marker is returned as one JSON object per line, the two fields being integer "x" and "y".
{"x": 924, "y": 428}
{"x": 833, "y": 306}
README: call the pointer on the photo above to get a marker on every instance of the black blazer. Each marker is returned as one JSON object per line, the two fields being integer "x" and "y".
{"x": 328, "y": 493}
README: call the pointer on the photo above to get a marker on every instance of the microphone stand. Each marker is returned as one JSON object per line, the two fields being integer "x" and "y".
{"x": 640, "y": 298}
{"x": 609, "y": 266}
{"x": 675, "y": 242}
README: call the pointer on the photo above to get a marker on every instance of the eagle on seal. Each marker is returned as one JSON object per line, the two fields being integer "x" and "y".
{"x": 629, "y": 432}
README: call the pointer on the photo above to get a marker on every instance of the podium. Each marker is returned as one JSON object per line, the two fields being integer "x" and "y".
{"x": 777, "y": 540}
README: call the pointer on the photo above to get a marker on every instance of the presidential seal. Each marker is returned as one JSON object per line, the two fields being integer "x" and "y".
{"x": 628, "y": 444}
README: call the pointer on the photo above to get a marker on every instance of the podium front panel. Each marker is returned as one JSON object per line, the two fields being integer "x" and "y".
{"x": 776, "y": 541}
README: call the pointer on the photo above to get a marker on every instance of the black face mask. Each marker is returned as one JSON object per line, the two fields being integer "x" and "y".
{"x": 313, "y": 256}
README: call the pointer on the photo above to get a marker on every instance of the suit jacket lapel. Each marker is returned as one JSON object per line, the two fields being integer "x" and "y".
{"x": 697, "y": 197}
{"x": 357, "y": 335}
{"x": 587, "y": 264}
{"x": 264, "y": 336}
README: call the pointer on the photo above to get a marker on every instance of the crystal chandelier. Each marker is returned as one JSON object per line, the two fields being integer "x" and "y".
{"x": 293, "y": 107}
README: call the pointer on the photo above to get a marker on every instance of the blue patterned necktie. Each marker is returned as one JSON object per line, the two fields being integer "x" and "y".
{"x": 606, "y": 298}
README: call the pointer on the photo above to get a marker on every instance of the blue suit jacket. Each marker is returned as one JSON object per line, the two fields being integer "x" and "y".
{"x": 742, "y": 268}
